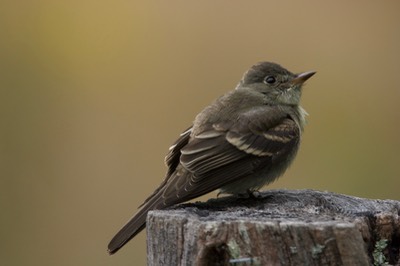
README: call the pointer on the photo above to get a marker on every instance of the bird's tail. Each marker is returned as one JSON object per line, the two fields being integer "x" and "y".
{"x": 136, "y": 224}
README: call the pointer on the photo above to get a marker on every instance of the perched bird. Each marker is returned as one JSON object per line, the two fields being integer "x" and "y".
{"x": 244, "y": 140}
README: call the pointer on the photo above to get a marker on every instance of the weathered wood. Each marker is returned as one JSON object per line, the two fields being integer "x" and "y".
{"x": 279, "y": 227}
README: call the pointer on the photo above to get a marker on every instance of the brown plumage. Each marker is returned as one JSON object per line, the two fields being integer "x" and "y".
{"x": 244, "y": 140}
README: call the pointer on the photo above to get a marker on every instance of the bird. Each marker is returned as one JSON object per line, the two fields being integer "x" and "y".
{"x": 244, "y": 140}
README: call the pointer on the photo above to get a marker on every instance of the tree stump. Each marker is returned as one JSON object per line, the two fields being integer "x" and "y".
{"x": 277, "y": 227}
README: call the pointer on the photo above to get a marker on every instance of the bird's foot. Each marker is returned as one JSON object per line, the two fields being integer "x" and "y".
{"x": 254, "y": 194}
{"x": 249, "y": 194}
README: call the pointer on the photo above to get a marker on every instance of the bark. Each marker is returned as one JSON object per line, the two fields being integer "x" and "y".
{"x": 278, "y": 227}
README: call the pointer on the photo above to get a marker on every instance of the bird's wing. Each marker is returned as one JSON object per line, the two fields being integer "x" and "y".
{"x": 172, "y": 159}
{"x": 217, "y": 156}
{"x": 174, "y": 153}
{"x": 227, "y": 151}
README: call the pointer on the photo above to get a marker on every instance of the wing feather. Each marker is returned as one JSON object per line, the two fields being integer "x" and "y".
{"x": 225, "y": 152}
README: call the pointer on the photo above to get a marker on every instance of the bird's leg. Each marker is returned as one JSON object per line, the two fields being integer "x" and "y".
{"x": 254, "y": 194}
{"x": 249, "y": 194}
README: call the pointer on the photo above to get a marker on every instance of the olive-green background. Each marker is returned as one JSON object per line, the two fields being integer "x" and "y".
{"x": 92, "y": 94}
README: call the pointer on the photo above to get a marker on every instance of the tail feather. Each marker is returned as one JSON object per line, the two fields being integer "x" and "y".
{"x": 136, "y": 224}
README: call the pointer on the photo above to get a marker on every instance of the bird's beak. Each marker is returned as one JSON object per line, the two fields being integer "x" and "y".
{"x": 302, "y": 77}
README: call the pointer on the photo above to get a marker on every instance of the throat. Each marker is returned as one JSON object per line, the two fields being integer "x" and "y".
{"x": 301, "y": 115}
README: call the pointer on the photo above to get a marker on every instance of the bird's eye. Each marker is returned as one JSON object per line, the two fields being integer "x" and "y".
{"x": 270, "y": 79}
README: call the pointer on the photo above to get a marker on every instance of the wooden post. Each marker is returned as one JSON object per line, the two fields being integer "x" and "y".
{"x": 278, "y": 227}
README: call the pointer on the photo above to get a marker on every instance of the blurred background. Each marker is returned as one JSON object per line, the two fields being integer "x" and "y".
{"x": 92, "y": 94}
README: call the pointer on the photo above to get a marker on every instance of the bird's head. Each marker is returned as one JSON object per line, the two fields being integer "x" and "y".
{"x": 278, "y": 85}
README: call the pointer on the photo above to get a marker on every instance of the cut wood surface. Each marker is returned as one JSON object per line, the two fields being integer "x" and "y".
{"x": 278, "y": 227}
